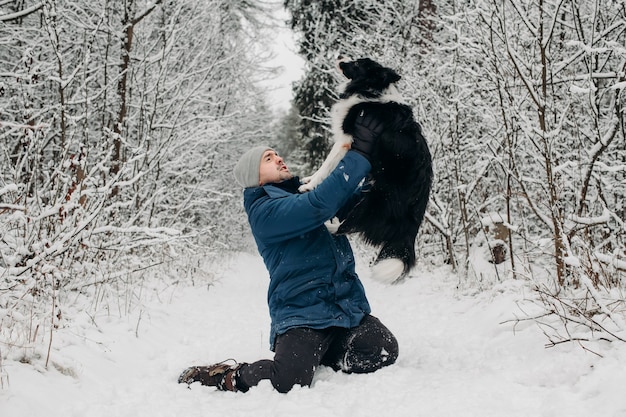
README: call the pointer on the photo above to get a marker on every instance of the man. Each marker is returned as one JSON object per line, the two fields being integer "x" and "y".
{"x": 319, "y": 311}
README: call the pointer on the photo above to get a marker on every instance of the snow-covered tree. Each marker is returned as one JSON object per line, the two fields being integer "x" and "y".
{"x": 121, "y": 122}
{"x": 558, "y": 71}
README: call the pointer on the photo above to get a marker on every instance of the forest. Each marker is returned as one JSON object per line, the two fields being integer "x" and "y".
{"x": 121, "y": 120}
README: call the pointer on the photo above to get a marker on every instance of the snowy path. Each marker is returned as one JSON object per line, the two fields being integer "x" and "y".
{"x": 455, "y": 360}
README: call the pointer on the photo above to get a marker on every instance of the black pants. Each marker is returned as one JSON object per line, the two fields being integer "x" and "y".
{"x": 298, "y": 352}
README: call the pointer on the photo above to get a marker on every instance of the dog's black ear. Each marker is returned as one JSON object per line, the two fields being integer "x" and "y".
{"x": 390, "y": 76}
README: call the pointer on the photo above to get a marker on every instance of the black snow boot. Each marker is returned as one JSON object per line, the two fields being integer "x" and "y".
{"x": 220, "y": 375}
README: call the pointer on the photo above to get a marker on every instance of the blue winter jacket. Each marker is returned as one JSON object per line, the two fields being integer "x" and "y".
{"x": 312, "y": 278}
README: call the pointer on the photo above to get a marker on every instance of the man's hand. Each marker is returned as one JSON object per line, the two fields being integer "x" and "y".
{"x": 367, "y": 129}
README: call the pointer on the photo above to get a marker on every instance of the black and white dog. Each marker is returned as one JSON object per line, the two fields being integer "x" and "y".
{"x": 391, "y": 211}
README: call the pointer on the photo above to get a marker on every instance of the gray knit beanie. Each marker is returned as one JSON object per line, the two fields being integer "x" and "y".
{"x": 247, "y": 169}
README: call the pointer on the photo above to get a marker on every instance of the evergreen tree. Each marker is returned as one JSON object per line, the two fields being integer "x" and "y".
{"x": 328, "y": 29}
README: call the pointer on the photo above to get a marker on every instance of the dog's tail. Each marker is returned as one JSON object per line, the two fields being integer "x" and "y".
{"x": 388, "y": 271}
{"x": 395, "y": 260}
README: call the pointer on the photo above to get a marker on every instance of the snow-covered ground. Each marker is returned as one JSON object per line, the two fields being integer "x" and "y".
{"x": 456, "y": 358}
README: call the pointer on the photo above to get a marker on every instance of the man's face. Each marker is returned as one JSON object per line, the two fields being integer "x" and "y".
{"x": 273, "y": 168}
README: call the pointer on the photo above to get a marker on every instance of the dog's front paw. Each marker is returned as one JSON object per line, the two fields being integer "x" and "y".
{"x": 306, "y": 187}
{"x": 333, "y": 225}
{"x": 308, "y": 183}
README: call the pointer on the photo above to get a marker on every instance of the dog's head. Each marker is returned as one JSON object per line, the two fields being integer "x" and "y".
{"x": 366, "y": 77}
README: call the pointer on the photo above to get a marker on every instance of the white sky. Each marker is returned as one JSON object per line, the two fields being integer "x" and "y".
{"x": 291, "y": 65}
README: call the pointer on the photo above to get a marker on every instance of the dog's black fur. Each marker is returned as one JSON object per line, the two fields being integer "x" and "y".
{"x": 391, "y": 211}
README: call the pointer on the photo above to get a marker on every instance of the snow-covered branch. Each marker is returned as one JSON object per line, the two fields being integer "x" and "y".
{"x": 591, "y": 221}
{"x": 21, "y": 14}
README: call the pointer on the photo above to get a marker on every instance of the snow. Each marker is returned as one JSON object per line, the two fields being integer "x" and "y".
{"x": 574, "y": 89}
{"x": 461, "y": 354}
